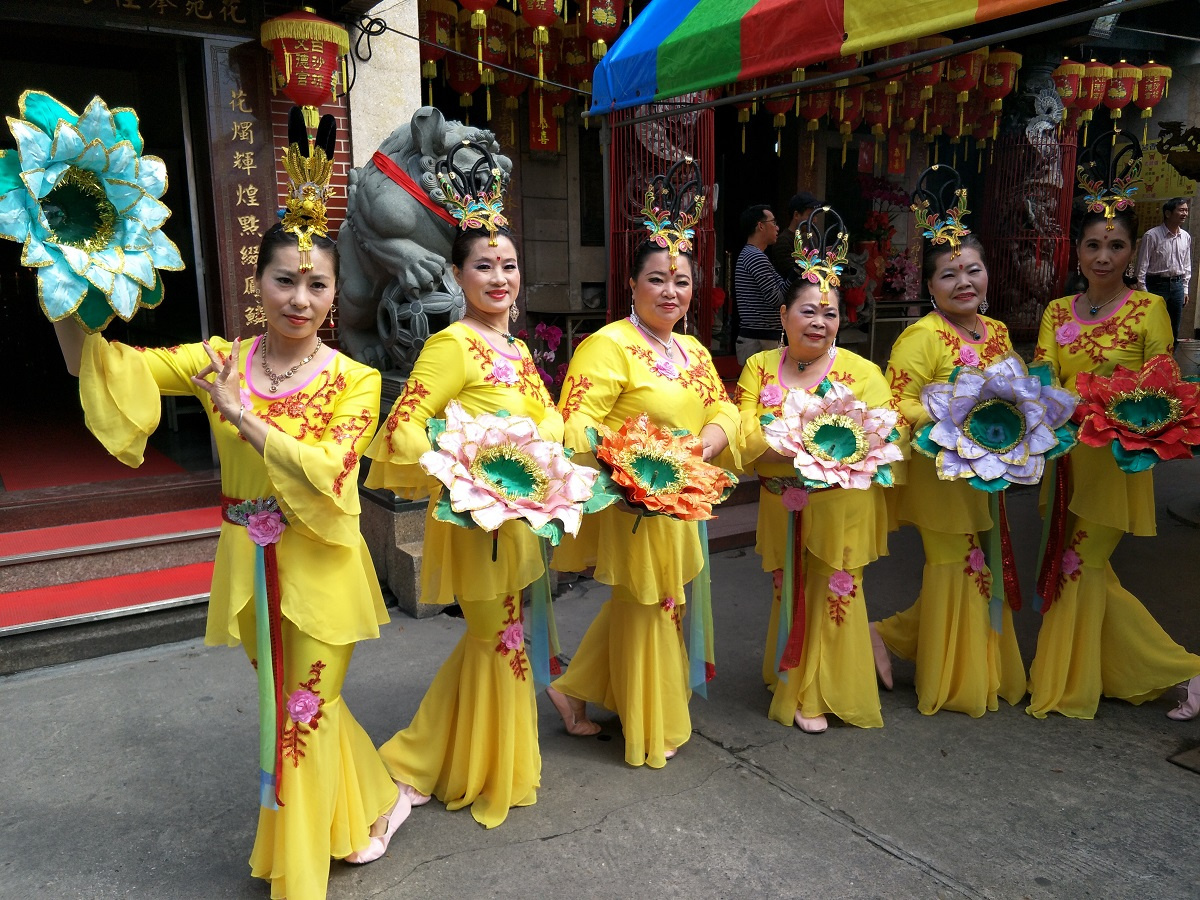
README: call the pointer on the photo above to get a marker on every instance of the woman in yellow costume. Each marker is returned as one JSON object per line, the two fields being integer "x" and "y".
{"x": 962, "y": 663}
{"x": 290, "y": 417}
{"x": 1097, "y": 638}
{"x": 473, "y": 741}
{"x": 632, "y": 659}
{"x": 826, "y": 655}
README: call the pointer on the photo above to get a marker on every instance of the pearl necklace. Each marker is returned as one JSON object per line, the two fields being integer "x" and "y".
{"x": 275, "y": 379}
{"x": 666, "y": 345}
{"x": 504, "y": 334}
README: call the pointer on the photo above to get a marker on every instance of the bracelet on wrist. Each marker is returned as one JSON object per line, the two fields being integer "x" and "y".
{"x": 241, "y": 415}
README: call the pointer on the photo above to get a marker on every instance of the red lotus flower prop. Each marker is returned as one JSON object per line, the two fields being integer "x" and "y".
{"x": 1144, "y": 416}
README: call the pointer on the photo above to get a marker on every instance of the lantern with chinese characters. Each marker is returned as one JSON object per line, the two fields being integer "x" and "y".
{"x": 529, "y": 54}
{"x": 894, "y": 76}
{"x": 851, "y": 112}
{"x": 1122, "y": 88}
{"x": 875, "y": 113}
{"x": 436, "y": 19}
{"x": 494, "y": 47}
{"x": 998, "y": 81}
{"x": 910, "y": 108}
{"x": 1150, "y": 92}
{"x": 1093, "y": 87}
{"x": 941, "y": 113}
{"x": 462, "y": 74}
{"x": 811, "y": 105}
{"x": 929, "y": 74}
{"x": 602, "y": 24}
{"x": 778, "y": 105}
{"x": 541, "y": 15}
{"x": 477, "y": 20}
{"x": 1066, "y": 81}
{"x": 963, "y": 73}
{"x": 307, "y": 59}
{"x": 577, "y": 61}
{"x": 836, "y": 66}
{"x": 512, "y": 86}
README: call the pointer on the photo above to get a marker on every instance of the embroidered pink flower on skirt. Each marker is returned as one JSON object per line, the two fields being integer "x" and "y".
{"x": 975, "y": 559}
{"x": 513, "y": 636}
{"x": 777, "y": 578}
{"x": 841, "y": 583}
{"x": 668, "y": 603}
{"x": 302, "y": 705}
{"x": 967, "y": 356}
{"x": 770, "y": 395}
{"x": 1066, "y": 333}
{"x": 1071, "y": 561}
{"x": 265, "y": 527}
{"x": 794, "y": 499}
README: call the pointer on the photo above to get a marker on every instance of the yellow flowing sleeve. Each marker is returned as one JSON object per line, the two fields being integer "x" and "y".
{"x": 437, "y": 378}
{"x": 750, "y": 386}
{"x": 1046, "y": 352}
{"x": 910, "y": 368}
{"x": 724, "y": 414}
{"x": 1159, "y": 338}
{"x": 595, "y": 379}
{"x": 120, "y": 389}
{"x": 317, "y": 480}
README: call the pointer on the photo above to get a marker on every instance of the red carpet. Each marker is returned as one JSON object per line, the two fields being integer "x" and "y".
{"x": 120, "y": 592}
{"x": 84, "y": 534}
{"x": 49, "y": 454}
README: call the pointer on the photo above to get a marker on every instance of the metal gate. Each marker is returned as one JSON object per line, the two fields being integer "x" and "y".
{"x": 1028, "y": 189}
{"x": 639, "y": 152}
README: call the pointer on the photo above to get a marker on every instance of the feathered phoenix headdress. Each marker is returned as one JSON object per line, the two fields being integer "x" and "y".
{"x": 941, "y": 208}
{"x": 474, "y": 196}
{"x": 1109, "y": 184}
{"x": 820, "y": 249}
{"x": 308, "y": 167}
{"x": 674, "y": 204}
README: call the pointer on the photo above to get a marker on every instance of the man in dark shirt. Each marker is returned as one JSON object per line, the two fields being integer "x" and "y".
{"x": 780, "y": 252}
{"x": 757, "y": 287}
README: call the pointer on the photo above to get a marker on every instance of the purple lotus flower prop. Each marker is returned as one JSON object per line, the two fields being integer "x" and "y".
{"x": 996, "y": 426}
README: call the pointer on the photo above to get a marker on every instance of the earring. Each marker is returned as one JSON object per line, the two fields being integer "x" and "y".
{"x": 983, "y": 306}
{"x": 933, "y": 302}
{"x": 634, "y": 320}
{"x": 1129, "y": 270}
{"x": 513, "y": 312}
{"x": 782, "y": 345}
{"x": 332, "y": 316}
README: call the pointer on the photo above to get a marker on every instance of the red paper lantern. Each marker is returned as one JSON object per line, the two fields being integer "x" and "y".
{"x": 895, "y": 76}
{"x": 1150, "y": 91}
{"x": 492, "y": 46}
{"x": 1093, "y": 87}
{"x": 436, "y": 21}
{"x": 850, "y": 113}
{"x": 941, "y": 111}
{"x": 1122, "y": 88}
{"x": 602, "y": 24}
{"x": 462, "y": 74}
{"x": 999, "y": 77}
{"x": 306, "y": 59}
{"x": 931, "y": 73}
{"x": 1066, "y": 81}
{"x": 577, "y": 61}
{"x": 963, "y": 73}
{"x": 541, "y": 15}
{"x": 478, "y": 21}
{"x": 811, "y": 105}
{"x": 778, "y": 105}
{"x": 529, "y": 54}
{"x": 512, "y": 86}
{"x": 745, "y": 107}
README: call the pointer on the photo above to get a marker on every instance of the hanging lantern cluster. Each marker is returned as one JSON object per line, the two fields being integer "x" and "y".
{"x": 308, "y": 59}
{"x": 1084, "y": 87}
{"x": 1150, "y": 92}
{"x": 436, "y": 21}
{"x": 602, "y": 24}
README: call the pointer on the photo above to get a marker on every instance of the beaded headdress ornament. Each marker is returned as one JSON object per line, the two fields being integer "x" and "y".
{"x": 475, "y": 195}
{"x": 820, "y": 249}
{"x": 1109, "y": 183}
{"x": 941, "y": 208}
{"x": 674, "y": 204}
{"x": 309, "y": 168}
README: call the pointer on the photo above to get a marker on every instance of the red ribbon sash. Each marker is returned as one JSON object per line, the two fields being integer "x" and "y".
{"x": 385, "y": 165}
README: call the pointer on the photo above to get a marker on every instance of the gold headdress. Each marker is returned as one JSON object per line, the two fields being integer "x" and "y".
{"x": 820, "y": 249}
{"x": 944, "y": 225}
{"x": 674, "y": 204}
{"x": 309, "y": 168}
{"x": 474, "y": 196}
{"x": 1122, "y": 171}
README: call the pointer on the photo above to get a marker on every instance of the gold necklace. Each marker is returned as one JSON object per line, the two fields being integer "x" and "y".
{"x": 275, "y": 379}
{"x": 504, "y": 334}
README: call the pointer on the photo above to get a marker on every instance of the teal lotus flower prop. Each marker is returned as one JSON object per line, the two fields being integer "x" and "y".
{"x": 83, "y": 201}
{"x": 996, "y": 426}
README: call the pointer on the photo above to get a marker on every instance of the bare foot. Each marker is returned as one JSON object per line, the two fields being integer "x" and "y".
{"x": 883, "y": 659}
{"x": 573, "y": 712}
{"x": 812, "y": 726}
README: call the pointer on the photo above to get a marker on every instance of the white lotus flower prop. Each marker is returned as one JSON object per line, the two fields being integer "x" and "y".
{"x": 497, "y": 468}
{"x": 996, "y": 426}
{"x": 835, "y": 439}
{"x": 83, "y": 201}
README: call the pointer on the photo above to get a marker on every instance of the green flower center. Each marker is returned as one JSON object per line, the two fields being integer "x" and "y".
{"x": 835, "y": 438}
{"x": 996, "y": 425}
{"x": 1145, "y": 412}
{"x": 510, "y": 473}
{"x": 79, "y": 212}
{"x": 655, "y": 473}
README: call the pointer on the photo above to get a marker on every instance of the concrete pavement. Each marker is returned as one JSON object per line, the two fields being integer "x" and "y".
{"x": 133, "y": 775}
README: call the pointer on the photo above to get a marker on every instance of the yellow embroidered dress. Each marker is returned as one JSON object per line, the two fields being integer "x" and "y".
{"x": 633, "y": 659}
{"x": 473, "y": 741}
{"x": 841, "y": 530}
{"x": 961, "y": 663}
{"x": 1097, "y": 638}
{"x": 332, "y": 783}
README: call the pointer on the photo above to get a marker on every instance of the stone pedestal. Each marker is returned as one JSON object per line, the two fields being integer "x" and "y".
{"x": 394, "y": 530}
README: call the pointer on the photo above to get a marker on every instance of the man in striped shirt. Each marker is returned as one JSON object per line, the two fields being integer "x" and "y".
{"x": 757, "y": 287}
{"x": 1165, "y": 260}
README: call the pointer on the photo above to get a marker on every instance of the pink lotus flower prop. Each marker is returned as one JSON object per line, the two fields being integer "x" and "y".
{"x": 996, "y": 426}
{"x": 496, "y": 468}
{"x": 835, "y": 439}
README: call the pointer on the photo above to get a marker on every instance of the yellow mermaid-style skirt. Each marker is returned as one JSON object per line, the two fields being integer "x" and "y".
{"x": 836, "y": 674}
{"x": 633, "y": 661}
{"x": 474, "y": 739}
{"x": 961, "y": 663}
{"x": 1097, "y": 638}
{"x": 333, "y": 785}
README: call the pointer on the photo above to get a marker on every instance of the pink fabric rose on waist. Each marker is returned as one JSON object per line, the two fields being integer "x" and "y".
{"x": 1071, "y": 561}
{"x": 513, "y": 636}
{"x": 302, "y": 705}
{"x": 967, "y": 356}
{"x": 794, "y": 499}
{"x": 265, "y": 527}
{"x": 771, "y": 395}
{"x": 841, "y": 583}
{"x": 1066, "y": 333}
{"x": 975, "y": 560}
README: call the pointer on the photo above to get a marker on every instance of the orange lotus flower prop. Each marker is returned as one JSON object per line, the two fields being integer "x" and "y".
{"x": 659, "y": 470}
{"x": 1145, "y": 416}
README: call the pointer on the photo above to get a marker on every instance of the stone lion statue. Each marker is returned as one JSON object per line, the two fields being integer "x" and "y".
{"x": 395, "y": 285}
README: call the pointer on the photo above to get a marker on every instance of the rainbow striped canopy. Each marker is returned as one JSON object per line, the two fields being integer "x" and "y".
{"x": 674, "y": 47}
